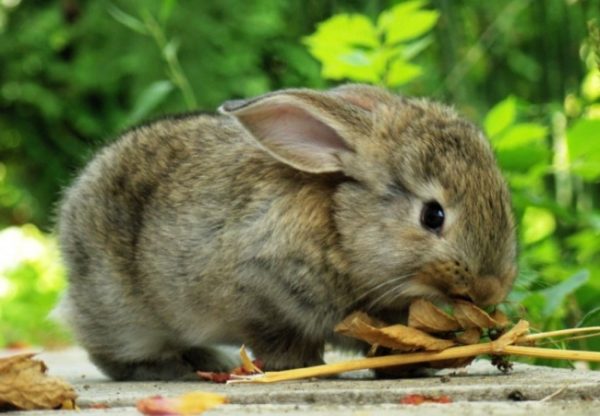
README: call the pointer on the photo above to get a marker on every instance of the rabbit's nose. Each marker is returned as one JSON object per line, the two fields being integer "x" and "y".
{"x": 486, "y": 291}
{"x": 482, "y": 291}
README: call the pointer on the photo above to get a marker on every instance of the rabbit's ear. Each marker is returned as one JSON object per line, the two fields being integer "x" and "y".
{"x": 305, "y": 129}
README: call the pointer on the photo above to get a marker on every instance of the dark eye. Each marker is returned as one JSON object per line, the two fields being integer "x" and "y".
{"x": 432, "y": 216}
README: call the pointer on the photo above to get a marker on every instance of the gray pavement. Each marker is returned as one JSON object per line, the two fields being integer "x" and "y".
{"x": 479, "y": 389}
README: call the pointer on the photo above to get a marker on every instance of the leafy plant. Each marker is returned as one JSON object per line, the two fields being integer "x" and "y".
{"x": 351, "y": 46}
{"x": 31, "y": 280}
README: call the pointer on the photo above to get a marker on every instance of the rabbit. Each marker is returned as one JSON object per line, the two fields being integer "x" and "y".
{"x": 268, "y": 223}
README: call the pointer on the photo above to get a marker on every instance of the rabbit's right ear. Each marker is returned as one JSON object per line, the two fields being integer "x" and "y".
{"x": 308, "y": 130}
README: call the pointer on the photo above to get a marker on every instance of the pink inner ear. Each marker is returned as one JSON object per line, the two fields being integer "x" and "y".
{"x": 294, "y": 136}
{"x": 287, "y": 124}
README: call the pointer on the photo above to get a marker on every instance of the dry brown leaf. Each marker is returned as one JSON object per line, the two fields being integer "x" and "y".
{"x": 470, "y": 316}
{"x": 25, "y": 385}
{"x": 427, "y": 317}
{"x": 469, "y": 336}
{"x": 398, "y": 337}
{"x": 500, "y": 318}
{"x": 413, "y": 339}
{"x": 248, "y": 365}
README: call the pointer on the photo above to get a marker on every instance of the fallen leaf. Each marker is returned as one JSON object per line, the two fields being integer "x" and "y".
{"x": 98, "y": 406}
{"x": 397, "y": 337}
{"x": 500, "y": 318}
{"x": 248, "y": 365}
{"x": 427, "y": 317}
{"x": 25, "y": 385}
{"x": 214, "y": 377}
{"x": 469, "y": 336}
{"x": 470, "y": 316}
{"x": 187, "y": 404}
{"x": 416, "y": 399}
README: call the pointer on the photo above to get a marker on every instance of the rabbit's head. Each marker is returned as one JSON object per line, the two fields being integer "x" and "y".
{"x": 425, "y": 211}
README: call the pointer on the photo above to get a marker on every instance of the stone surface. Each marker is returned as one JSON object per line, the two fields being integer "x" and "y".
{"x": 479, "y": 389}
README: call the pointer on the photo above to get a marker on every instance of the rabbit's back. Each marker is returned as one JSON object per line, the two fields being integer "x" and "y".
{"x": 102, "y": 219}
{"x": 176, "y": 216}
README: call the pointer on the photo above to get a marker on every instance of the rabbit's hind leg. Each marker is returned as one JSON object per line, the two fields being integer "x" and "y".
{"x": 180, "y": 366}
{"x": 164, "y": 368}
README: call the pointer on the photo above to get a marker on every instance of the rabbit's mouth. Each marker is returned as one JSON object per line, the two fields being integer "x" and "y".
{"x": 452, "y": 280}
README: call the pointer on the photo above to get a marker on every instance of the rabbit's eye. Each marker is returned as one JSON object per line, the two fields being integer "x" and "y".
{"x": 432, "y": 216}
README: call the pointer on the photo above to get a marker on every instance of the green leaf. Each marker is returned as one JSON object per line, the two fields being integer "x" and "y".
{"x": 166, "y": 9}
{"x": 150, "y": 98}
{"x": 521, "y": 147}
{"x": 556, "y": 295}
{"x": 590, "y": 87}
{"x": 343, "y": 31}
{"x": 356, "y": 65}
{"x": 402, "y": 72}
{"x": 520, "y": 135}
{"x": 586, "y": 244}
{"x": 537, "y": 224}
{"x": 583, "y": 140}
{"x": 406, "y": 21}
{"x": 345, "y": 45}
{"x": 500, "y": 116}
{"x": 412, "y": 49}
{"x": 127, "y": 20}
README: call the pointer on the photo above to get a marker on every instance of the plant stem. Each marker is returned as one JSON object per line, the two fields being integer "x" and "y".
{"x": 174, "y": 71}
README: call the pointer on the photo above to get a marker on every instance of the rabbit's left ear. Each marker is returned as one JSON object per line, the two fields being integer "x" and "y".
{"x": 308, "y": 130}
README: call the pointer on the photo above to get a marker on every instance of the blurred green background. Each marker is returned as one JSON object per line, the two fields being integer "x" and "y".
{"x": 74, "y": 73}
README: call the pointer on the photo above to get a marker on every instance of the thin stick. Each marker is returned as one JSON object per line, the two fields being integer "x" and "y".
{"x": 495, "y": 347}
{"x": 569, "y": 339}
{"x": 372, "y": 362}
{"x": 551, "y": 353}
{"x": 556, "y": 393}
{"x": 561, "y": 332}
{"x": 419, "y": 357}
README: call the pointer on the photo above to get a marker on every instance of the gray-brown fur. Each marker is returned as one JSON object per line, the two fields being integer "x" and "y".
{"x": 203, "y": 230}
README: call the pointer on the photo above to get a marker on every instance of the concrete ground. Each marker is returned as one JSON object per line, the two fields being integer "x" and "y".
{"x": 479, "y": 389}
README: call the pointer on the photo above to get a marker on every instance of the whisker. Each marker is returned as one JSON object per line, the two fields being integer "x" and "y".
{"x": 375, "y": 288}
{"x": 395, "y": 292}
{"x": 391, "y": 283}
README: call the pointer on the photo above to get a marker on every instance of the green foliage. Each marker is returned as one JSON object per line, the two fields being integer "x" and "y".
{"x": 74, "y": 74}
{"x": 31, "y": 279}
{"x": 583, "y": 139}
{"x": 351, "y": 46}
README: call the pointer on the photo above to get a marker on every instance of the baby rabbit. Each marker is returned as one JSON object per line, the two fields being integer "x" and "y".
{"x": 269, "y": 223}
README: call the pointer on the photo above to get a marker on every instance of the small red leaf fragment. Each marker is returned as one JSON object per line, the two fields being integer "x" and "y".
{"x": 214, "y": 377}
{"x": 416, "y": 399}
{"x": 247, "y": 368}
